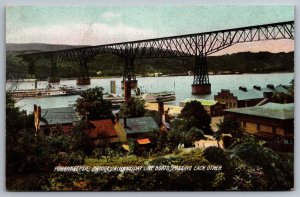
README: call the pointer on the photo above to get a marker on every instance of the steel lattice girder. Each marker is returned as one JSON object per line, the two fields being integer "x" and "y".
{"x": 180, "y": 46}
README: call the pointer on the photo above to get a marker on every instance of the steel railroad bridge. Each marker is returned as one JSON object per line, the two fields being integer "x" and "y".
{"x": 198, "y": 45}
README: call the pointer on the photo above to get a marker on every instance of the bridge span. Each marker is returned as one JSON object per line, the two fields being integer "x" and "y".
{"x": 198, "y": 45}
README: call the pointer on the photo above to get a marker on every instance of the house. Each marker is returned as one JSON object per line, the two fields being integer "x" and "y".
{"x": 102, "y": 129}
{"x": 213, "y": 108}
{"x": 139, "y": 127}
{"x": 244, "y": 97}
{"x": 44, "y": 119}
{"x": 267, "y": 121}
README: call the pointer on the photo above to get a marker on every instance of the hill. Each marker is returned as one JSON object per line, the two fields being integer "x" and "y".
{"x": 112, "y": 65}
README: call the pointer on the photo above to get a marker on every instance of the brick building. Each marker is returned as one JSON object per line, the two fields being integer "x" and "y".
{"x": 244, "y": 97}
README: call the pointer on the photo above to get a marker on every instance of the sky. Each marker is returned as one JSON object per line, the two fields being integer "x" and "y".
{"x": 88, "y": 25}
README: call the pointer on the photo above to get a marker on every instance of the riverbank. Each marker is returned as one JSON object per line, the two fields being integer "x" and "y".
{"x": 144, "y": 76}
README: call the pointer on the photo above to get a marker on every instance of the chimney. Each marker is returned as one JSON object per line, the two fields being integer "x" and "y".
{"x": 243, "y": 88}
{"x": 39, "y": 112}
{"x": 271, "y": 86}
{"x": 116, "y": 117}
{"x": 125, "y": 122}
{"x": 256, "y": 87}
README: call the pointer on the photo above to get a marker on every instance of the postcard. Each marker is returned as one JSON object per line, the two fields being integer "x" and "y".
{"x": 150, "y": 98}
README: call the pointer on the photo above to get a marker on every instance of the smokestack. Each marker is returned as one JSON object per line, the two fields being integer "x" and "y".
{"x": 127, "y": 91}
{"x": 39, "y": 112}
{"x": 125, "y": 122}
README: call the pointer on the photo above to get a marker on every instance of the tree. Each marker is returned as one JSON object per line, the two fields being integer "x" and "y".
{"x": 196, "y": 116}
{"x": 134, "y": 108}
{"x": 181, "y": 133}
{"x": 282, "y": 97}
{"x": 232, "y": 127}
{"x": 91, "y": 104}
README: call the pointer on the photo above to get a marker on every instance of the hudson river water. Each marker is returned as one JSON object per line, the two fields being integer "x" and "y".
{"x": 180, "y": 84}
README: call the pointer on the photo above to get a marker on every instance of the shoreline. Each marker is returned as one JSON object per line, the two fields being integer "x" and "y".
{"x": 141, "y": 76}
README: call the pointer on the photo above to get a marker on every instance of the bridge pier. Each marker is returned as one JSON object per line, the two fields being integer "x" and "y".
{"x": 53, "y": 78}
{"x": 84, "y": 79}
{"x": 201, "y": 83}
{"x": 31, "y": 60}
{"x": 129, "y": 74}
{"x": 133, "y": 84}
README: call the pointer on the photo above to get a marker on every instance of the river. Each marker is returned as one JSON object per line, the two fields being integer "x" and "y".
{"x": 180, "y": 84}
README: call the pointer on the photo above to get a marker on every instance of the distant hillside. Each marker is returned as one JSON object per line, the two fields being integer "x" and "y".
{"x": 36, "y": 47}
{"x": 112, "y": 65}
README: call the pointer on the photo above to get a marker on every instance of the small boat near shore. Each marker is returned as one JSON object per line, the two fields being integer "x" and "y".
{"x": 164, "y": 96}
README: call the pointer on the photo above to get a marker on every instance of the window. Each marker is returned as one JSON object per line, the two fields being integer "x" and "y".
{"x": 258, "y": 127}
{"x": 274, "y": 129}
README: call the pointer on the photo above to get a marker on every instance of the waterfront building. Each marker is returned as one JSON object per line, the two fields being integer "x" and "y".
{"x": 268, "y": 122}
{"x": 244, "y": 97}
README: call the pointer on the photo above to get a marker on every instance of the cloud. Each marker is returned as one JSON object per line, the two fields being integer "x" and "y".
{"x": 79, "y": 34}
{"x": 110, "y": 15}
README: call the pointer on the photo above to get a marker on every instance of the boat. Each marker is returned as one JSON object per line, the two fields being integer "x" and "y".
{"x": 49, "y": 91}
{"x": 164, "y": 96}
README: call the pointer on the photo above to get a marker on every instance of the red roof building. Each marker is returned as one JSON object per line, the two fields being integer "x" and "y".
{"x": 103, "y": 128}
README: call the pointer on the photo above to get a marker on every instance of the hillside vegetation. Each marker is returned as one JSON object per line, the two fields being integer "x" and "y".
{"x": 112, "y": 65}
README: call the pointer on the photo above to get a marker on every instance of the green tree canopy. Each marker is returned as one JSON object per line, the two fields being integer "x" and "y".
{"x": 134, "y": 108}
{"x": 91, "y": 104}
{"x": 196, "y": 116}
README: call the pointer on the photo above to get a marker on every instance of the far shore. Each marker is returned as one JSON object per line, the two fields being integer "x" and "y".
{"x": 139, "y": 76}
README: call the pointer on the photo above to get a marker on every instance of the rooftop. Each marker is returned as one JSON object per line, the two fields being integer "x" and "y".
{"x": 269, "y": 110}
{"x": 102, "y": 127}
{"x": 203, "y": 102}
{"x": 256, "y": 93}
{"x": 140, "y": 125}
{"x": 63, "y": 115}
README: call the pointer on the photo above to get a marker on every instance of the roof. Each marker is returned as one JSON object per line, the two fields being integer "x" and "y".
{"x": 247, "y": 95}
{"x": 63, "y": 115}
{"x": 203, "y": 102}
{"x": 257, "y": 94}
{"x": 102, "y": 127}
{"x": 140, "y": 125}
{"x": 269, "y": 110}
{"x": 143, "y": 141}
{"x": 173, "y": 109}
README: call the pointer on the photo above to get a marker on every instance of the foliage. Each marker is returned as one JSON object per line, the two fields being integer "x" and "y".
{"x": 232, "y": 127}
{"x": 281, "y": 97}
{"x": 91, "y": 104}
{"x": 196, "y": 116}
{"x": 255, "y": 154}
{"x": 134, "y": 108}
{"x": 215, "y": 155}
{"x": 181, "y": 134}
{"x": 112, "y": 65}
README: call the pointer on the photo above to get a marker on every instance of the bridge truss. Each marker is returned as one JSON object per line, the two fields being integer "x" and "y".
{"x": 198, "y": 45}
